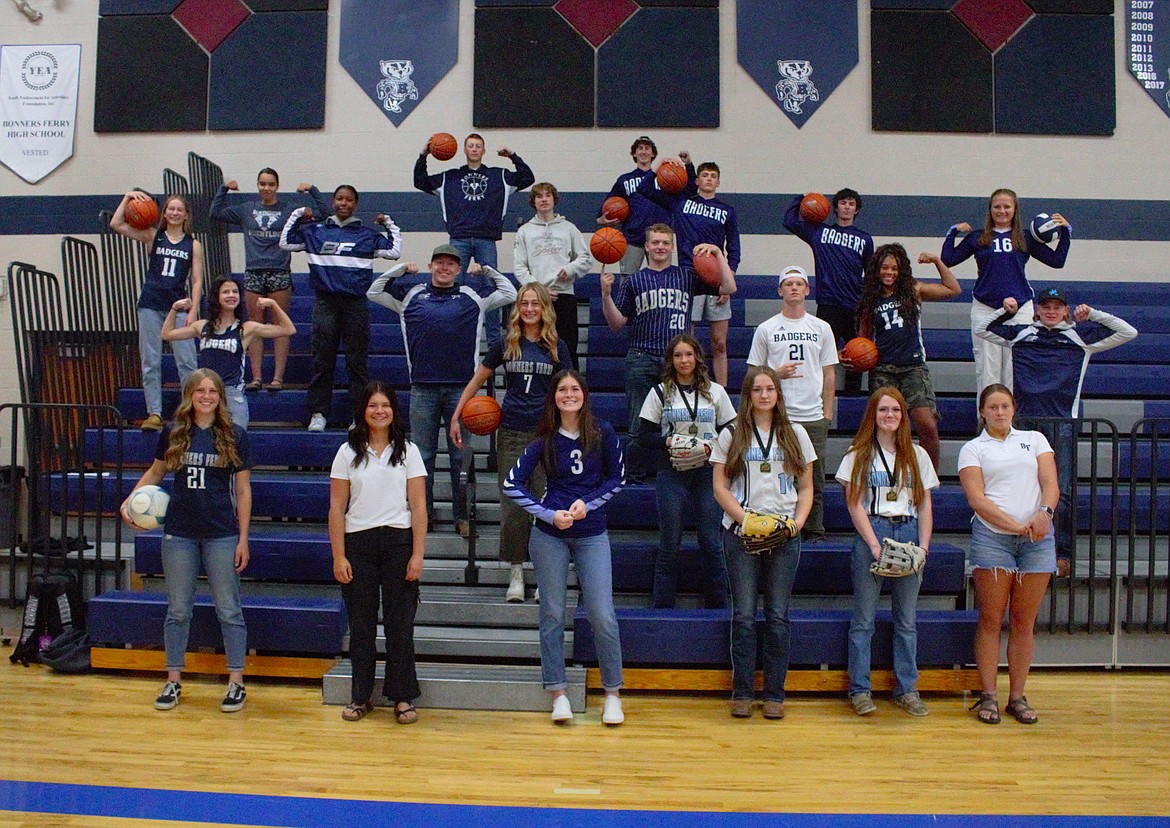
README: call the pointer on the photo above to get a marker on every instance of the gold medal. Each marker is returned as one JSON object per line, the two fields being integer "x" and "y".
{"x": 891, "y": 495}
{"x": 765, "y": 467}
{"x": 693, "y": 429}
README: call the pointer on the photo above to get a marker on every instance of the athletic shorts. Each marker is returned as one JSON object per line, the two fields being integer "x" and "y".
{"x": 912, "y": 380}
{"x": 1015, "y": 553}
{"x": 265, "y": 282}
{"x": 704, "y": 307}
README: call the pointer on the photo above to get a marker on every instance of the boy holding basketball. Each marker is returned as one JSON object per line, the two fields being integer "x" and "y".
{"x": 643, "y": 212}
{"x": 801, "y": 349}
{"x": 840, "y": 252}
{"x": 656, "y": 304}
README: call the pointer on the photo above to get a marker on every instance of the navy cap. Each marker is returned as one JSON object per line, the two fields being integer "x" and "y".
{"x": 1053, "y": 294}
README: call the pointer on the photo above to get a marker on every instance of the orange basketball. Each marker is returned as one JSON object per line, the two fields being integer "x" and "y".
{"x": 814, "y": 208}
{"x": 708, "y": 270}
{"x": 443, "y": 146}
{"x": 481, "y": 415}
{"x": 616, "y": 208}
{"x": 608, "y": 245}
{"x": 141, "y": 214}
{"x": 672, "y": 176}
{"x": 861, "y": 352}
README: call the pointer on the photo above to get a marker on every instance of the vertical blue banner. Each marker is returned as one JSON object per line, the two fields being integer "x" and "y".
{"x": 1147, "y": 37}
{"x": 797, "y": 51}
{"x": 399, "y": 51}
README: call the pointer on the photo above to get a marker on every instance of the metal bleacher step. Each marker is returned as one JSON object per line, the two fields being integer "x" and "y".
{"x": 433, "y": 641}
{"x": 465, "y": 687}
{"x": 480, "y": 607}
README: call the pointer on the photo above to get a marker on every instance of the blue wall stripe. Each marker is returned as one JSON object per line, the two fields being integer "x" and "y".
{"x": 759, "y": 213}
{"x": 249, "y": 809}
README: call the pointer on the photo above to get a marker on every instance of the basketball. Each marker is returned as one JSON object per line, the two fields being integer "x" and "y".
{"x": 861, "y": 352}
{"x": 481, "y": 415}
{"x": 608, "y": 245}
{"x": 672, "y": 176}
{"x": 616, "y": 208}
{"x": 148, "y": 507}
{"x": 443, "y": 146}
{"x": 1043, "y": 228}
{"x": 141, "y": 214}
{"x": 814, "y": 208}
{"x": 708, "y": 270}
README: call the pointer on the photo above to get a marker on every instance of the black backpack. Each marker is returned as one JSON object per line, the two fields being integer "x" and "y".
{"x": 53, "y": 607}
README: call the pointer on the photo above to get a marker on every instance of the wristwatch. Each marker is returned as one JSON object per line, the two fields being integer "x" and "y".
{"x": 1048, "y": 510}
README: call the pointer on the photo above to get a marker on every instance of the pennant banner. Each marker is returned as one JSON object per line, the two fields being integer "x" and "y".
{"x": 797, "y": 51}
{"x": 1147, "y": 25}
{"x": 38, "y": 107}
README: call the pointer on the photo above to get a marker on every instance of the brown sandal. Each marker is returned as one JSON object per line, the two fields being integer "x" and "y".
{"x": 356, "y": 712}
{"x": 1021, "y": 711}
{"x": 405, "y": 715}
{"x": 987, "y": 709}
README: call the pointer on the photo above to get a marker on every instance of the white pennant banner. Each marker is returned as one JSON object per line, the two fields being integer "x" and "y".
{"x": 38, "y": 107}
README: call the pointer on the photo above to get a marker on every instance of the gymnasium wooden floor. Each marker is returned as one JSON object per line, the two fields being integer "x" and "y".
{"x": 91, "y": 751}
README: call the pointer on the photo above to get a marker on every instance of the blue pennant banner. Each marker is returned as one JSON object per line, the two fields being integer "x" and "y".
{"x": 399, "y": 51}
{"x": 797, "y": 51}
{"x": 1147, "y": 26}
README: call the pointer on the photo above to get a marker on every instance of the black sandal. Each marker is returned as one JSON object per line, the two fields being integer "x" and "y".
{"x": 988, "y": 709}
{"x": 356, "y": 712}
{"x": 1021, "y": 711}
{"x": 254, "y": 385}
{"x": 405, "y": 715}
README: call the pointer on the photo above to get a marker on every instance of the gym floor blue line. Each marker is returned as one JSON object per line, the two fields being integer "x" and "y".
{"x": 251, "y": 809}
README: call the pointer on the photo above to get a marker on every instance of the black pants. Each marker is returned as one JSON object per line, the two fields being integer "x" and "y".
{"x": 378, "y": 558}
{"x": 843, "y": 321}
{"x": 565, "y": 304}
{"x": 339, "y": 320}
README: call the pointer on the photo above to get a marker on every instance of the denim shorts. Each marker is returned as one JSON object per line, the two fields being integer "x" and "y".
{"x": 1015, "y": 553}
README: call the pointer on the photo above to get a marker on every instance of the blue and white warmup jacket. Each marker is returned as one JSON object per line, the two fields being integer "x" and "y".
{"x": 593, "y": 478}
{"x": 1000, "y": 268}
{"x": 474, "y": 201}
{"x": 643, "y": 211}
{"x": 839, "y": 254}
{"x": 341, "y": 255}
{"x": 1049, "y": 364}
{"x": 441, "y": 326}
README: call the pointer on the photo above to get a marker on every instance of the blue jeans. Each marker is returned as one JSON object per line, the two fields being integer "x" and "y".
{"x": 150, "y": 348}
{"x": 591, "y": 557}
{"x": 484, "y": 253}
{"x": 432, "y": 406}
{"x": 237, "y": 404}
{"x": 180, "y": 559}
{"x": 776, "y": 573}
{"x": 690, "y": 491}
{"x": 904, "y": 596}
{"x": 643, "y": 372}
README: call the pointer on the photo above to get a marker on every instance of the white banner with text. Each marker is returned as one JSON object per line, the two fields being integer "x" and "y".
{"x": 38, "y": 107}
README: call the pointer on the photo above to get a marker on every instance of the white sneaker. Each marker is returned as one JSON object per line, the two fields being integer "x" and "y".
{"x": 536, "y": 595}
{"x": 612, "y": 714}
{"x": 516, "y": 586}
{"x": 317, "y": 422}
{"x": 562, "y": 711}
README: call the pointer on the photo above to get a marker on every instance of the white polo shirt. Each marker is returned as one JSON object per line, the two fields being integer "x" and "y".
{"x": 1011, "y": 477}
{"x": 773, "y": 491}
{"x": 875, "y": 498}
{"x": 377, "y": 490}
{"x": 807, "y": 340}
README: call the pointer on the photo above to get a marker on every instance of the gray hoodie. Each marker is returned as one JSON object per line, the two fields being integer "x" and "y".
{"x": 543, "y": 249}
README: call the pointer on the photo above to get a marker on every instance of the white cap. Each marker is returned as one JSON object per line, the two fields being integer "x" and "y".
{"x": 793, "y": 272}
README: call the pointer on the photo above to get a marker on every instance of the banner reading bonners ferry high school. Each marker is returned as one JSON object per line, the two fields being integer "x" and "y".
{"x": 38, "y": 107}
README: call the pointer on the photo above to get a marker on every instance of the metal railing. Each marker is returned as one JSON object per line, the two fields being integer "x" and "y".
{"x": 206, "y": 178}
{"x": 1147, "y": 565}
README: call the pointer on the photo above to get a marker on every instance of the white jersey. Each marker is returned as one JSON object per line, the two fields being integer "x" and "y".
{"x": 807, "y": 340}
{"x": 881, "y": 483}
{"x": 377, "y": 490}
{"x": 772, "y": 491}
{"x": 685, "y": 408}
{"x": 1011, "y": 478}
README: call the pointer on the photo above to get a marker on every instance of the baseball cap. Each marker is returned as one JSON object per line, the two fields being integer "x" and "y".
{"x": 793, "y": 272}
{"x": 446, "y": 250}
{"x": 1051, "y": 294}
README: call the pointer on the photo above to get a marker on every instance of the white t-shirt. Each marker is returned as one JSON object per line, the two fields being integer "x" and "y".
{"x": 876, "y": 496}
{"x": 1011, "y": 478}
{"x": 377, "y": 490}
{"x": 773, "y": 491}
{"x": 807, "y": 340}
{"x": 675, "y": 418}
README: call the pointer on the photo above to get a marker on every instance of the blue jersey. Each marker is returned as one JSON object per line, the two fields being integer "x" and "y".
{"x": 168, "y": 272}
{"x": 1049, "y": 364}
{"x": 697, "y": 220}
{"x": 203, "y": 492}
{"x": 473, "y": 201}
{"x": 898, "y": 340}
{"x": 441, "y": 326}
{"x": 261, "y": 224}
{"x": 223, "y": 352}
{"x": 593, "y": 478}
{"x": 527, "y": 380}
{"x": 643, "y": 211}
{"x": 839, "y": 254}
{"x": 657, "y": 305}
{"x": 341, "y": 255}
{"x": 1000, "y": 267}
